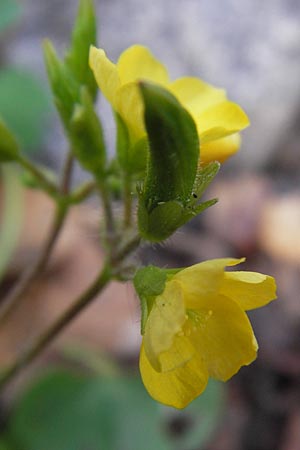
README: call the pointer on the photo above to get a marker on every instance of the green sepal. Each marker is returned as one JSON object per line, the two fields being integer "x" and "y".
{"x": 204, "y": 177}
{"x": 167, "y": 217}
{"x": 86, "y": 135}
{"x": 173, "y": 147}
{"x": 64, "y": 86}
{"x": 122, "y": 142}
{"x": 161, "y": 222}
{"x": 9, "y": 147}
{"x": 132, "y": 158}
{"x": 172, "y": 164}
{"x": 84, "y": 35}
{"x": 149, "y": 282}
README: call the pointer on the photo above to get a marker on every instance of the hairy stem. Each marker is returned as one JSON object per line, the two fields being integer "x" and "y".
{"x": 127, "y": 202}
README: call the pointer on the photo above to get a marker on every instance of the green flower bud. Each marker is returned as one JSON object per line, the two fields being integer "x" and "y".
{"x": 64, "y": 86}
{"x": 83, "y": 36}
{"x": 86, "y": 135}
{"x": 170, "y": 194}
{"x": 9, "y": 148}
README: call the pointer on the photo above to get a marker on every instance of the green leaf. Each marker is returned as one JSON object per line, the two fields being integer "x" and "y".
{"x": 24, "y": 105}
{"x": 83, "y": 36}
{"x": 9, "y": 12}
{"x": 9, "y": 148}
{"x": 12, "y": 215}
{"x": 5, "y": 445}
{"x": 86, "y": 135}
{"x": 173, "y": 145}
{"x": 67, "y": 412}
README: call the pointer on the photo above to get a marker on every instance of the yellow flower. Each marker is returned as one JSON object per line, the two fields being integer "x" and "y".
{"x": 217, "y": 119}
{"x": 197, "y": 328}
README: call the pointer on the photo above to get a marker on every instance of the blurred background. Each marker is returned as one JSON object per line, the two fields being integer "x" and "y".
{"x": 88, "y": 395}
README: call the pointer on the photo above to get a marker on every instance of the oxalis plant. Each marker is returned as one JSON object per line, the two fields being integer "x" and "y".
{"x": 171, "y": 137}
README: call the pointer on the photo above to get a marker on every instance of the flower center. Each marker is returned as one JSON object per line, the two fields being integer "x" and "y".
{"x": 196, "y": 319}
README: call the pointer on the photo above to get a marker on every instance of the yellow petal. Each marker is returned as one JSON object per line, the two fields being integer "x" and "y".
{"x": 196, "y": 95}
{"x": 164, "y": 322}
{"x": 180, "y": 352}
{"x": 137, "y": 62}
{"x": 203, "y": 279}
{"x": 178, "y": 387}
{"x": 249, "y": 289}
{"x": 223, "y": 335}
{"x": 220, "y": 149}
{"x": 130, "y": 106}
{"x": 105, "y": 73}
{"x": 220, "y": 120}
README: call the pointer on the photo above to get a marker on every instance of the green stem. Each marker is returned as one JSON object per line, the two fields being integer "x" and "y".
{"x": 127, "y": 201}
{"x": 128, "y": 247}
{"x": 107, "y": 208}
{"x": 38, "y": 345}
{"x": 33, "y": 271}
{"x": 67, "y": 174}
{"x": 82, "y": 192}
{"x": 50, "y": 187}
{"x": 62, "y": 207}
{"x": 109, "y": 272}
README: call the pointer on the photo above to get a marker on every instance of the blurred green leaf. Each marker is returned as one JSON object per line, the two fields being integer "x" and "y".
{"x": 9, "y": 148}
{"x": 4, "y": 445}
{"x": 24, "y": 104}
{"x": 201, "y": 418}
{"x": 9, "y": 12}
{"x": 63, "y": 411}
{"x": 12, "y": 215}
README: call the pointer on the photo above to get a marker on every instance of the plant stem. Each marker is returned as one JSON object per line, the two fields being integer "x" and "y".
{"x": 82, "y": 192}
{"x": 108, "y": 214}
{"x": 127, "y": 201}
{"x": 66, "y": 174}
{"x": 61, "y": 210}
{"x": 111, "y": 270}
{"x": 50, "y": 187}
{"x": 38, "y": 345}
{"x": 32, "y": 272}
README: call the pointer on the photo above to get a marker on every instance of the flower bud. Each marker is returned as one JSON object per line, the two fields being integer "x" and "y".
{"x": 83, "y": 36}
{"x": 87, "y": 136}
{"x": 9, "y": 148}
{"x": 167, "y": 199}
